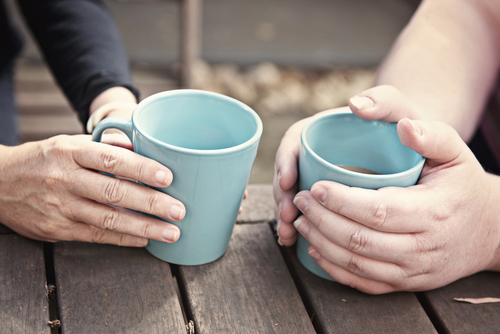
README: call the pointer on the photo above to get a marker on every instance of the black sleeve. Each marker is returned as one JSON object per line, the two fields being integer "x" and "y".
{"x": 82, "y": 46}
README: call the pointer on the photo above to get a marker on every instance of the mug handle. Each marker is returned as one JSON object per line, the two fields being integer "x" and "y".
{"x": 113, "y": 122}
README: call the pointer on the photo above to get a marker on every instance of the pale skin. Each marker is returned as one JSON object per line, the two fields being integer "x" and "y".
{"x": 438, "y": 74}
{"x": 52, "y": 190}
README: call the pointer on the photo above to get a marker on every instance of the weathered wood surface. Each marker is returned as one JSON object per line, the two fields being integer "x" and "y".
{"x": 256, "y": 287}
{"x": 111, "y": 289}
{"x": 23, "y": 292}
{"x": 336, "y": 308}
{"x": 248, "y": 290}
{"x": 459, "y": 317}
{"x": 258, "y": 206}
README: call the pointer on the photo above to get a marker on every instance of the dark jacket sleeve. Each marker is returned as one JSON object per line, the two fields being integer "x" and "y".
{"x": 82, "y": 46}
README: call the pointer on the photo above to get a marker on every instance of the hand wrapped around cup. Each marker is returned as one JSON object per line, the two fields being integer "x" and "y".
{"x": 347, "y": 149}
{"x": 209, "y": 141}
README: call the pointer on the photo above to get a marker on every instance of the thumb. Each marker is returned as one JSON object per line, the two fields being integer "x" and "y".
{"x": 436, "y": 141}
{"x": 385, "y": 103}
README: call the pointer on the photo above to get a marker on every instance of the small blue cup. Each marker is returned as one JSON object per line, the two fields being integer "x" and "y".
{"x": 347, "y": 140}
{"x": 209, "y": 141}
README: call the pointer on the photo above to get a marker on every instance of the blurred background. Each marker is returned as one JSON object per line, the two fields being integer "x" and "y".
{"x": 287, "y": 59}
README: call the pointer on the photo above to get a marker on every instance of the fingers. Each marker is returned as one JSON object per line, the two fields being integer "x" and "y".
{"x": 285, "y": 179}
{"x": 352, "y": 262}
{"x": 287, "y": 157}
{"x": 436, "y": 141}
{"x": 347, "y": 278}
{"x": 117, "y": 161}
{"x": 88, "y": 233}
{"x": 120, "y": 221}
{"x": 385, "y": 210}
{"x": 118, "y": 139}
{"x": 354, "y": 236}
{"x": 384, "y": 103}
{"x": 123, "y": 193}
{"x": 284, "y": 218}
{"x": 285, "y": 183}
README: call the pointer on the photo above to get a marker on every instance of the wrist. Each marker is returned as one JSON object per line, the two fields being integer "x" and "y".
{"x": 115, "y": 108}
{"x": 111, "y": 95}
{"x": 113, "y": 101}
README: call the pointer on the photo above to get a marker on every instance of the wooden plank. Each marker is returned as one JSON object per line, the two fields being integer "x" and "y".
{"x": 458, "y": 317}
{"x": 336, "y": 308}
{"x": 258, "y": 207}
{"x": 104, "y": 288}
{"x": 48, "y": 124}
{"x": 248, "y": 290}
{"x": 23, "y": 292}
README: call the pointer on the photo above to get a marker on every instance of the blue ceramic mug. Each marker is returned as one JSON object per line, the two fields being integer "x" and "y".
{"x": 372, "y": 148}
{"x": 209, "y": 141}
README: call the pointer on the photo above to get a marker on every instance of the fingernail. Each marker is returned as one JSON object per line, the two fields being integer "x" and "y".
{"x": 176, "y": 212}
{"x": 141, "y": 242}
{"x": 301, "y": 203}
{"x": 279, "y": 178}
{"x": 362, "y": 102}
{"x": 162, "y": 177}
{"x": 280, "y": 207}
{"x": 416, "y": 128}
{"x": 314, "y": 254}
{"x": 278, "y": 225}
{"x": 279, "y": 242}
{"x": 302, "y": 226}
{"x": 319, "y": 193}
{"x": 170, "y": 234}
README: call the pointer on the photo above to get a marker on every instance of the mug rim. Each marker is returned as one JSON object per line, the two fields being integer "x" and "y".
{"x": 186, "y": 92}
{"x": 417, "y": 167}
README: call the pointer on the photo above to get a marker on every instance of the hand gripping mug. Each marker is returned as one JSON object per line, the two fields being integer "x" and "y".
{"x": 347, "y": 149}
{"x": 209, "y": 141}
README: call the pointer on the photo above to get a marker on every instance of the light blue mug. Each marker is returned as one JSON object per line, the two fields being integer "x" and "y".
{"x": 347, "y": 140}
{"x": 209, "y": 141}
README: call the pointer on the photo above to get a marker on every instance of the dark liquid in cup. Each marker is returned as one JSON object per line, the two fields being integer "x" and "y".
{"x": 358, "y": 169}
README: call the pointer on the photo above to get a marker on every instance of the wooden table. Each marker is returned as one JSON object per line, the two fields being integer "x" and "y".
{"x": 256, "y": 287}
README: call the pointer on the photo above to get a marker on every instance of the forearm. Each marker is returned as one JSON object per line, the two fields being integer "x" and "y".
{"x": 82, "y": 46}
{"x": 446, "y": 61}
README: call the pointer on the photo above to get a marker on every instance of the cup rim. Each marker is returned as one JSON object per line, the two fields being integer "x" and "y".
{"x": 186, "y": 92}
{"x": 418, "y": 166}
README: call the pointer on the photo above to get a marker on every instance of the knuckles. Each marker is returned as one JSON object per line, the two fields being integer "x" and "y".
{"x": 113, "y": 193}
{"x": 111, "y": 219}
{"x": 378, "y": 216}
{"x": 108, "y": 160}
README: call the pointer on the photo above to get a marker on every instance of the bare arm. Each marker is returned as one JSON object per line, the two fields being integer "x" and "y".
{"x": 446, "y": 61}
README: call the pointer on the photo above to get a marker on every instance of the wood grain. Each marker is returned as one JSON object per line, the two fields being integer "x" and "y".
{"x": 23, "y": 292}
{"x": 248, "y": 290}
{"x": 336, "y": 308}
{"x": 456, "y": 317}
{"x": 258, "y": 206}
{"x": 111, "y": 289}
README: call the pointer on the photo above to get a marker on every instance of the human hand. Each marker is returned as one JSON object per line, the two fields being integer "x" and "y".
{"x": 52, "y": 190}
{"x": 384, "y": 103}
{"x": 416, "y": 238}
{"x": 285, "y": 180}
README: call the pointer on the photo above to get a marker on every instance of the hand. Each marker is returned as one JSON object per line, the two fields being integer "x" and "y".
{"x": 52, "y": 190}
{"x": 416, "y": 238}
{"x": 285, "y": 182}
{"x": 384, "y": 103}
